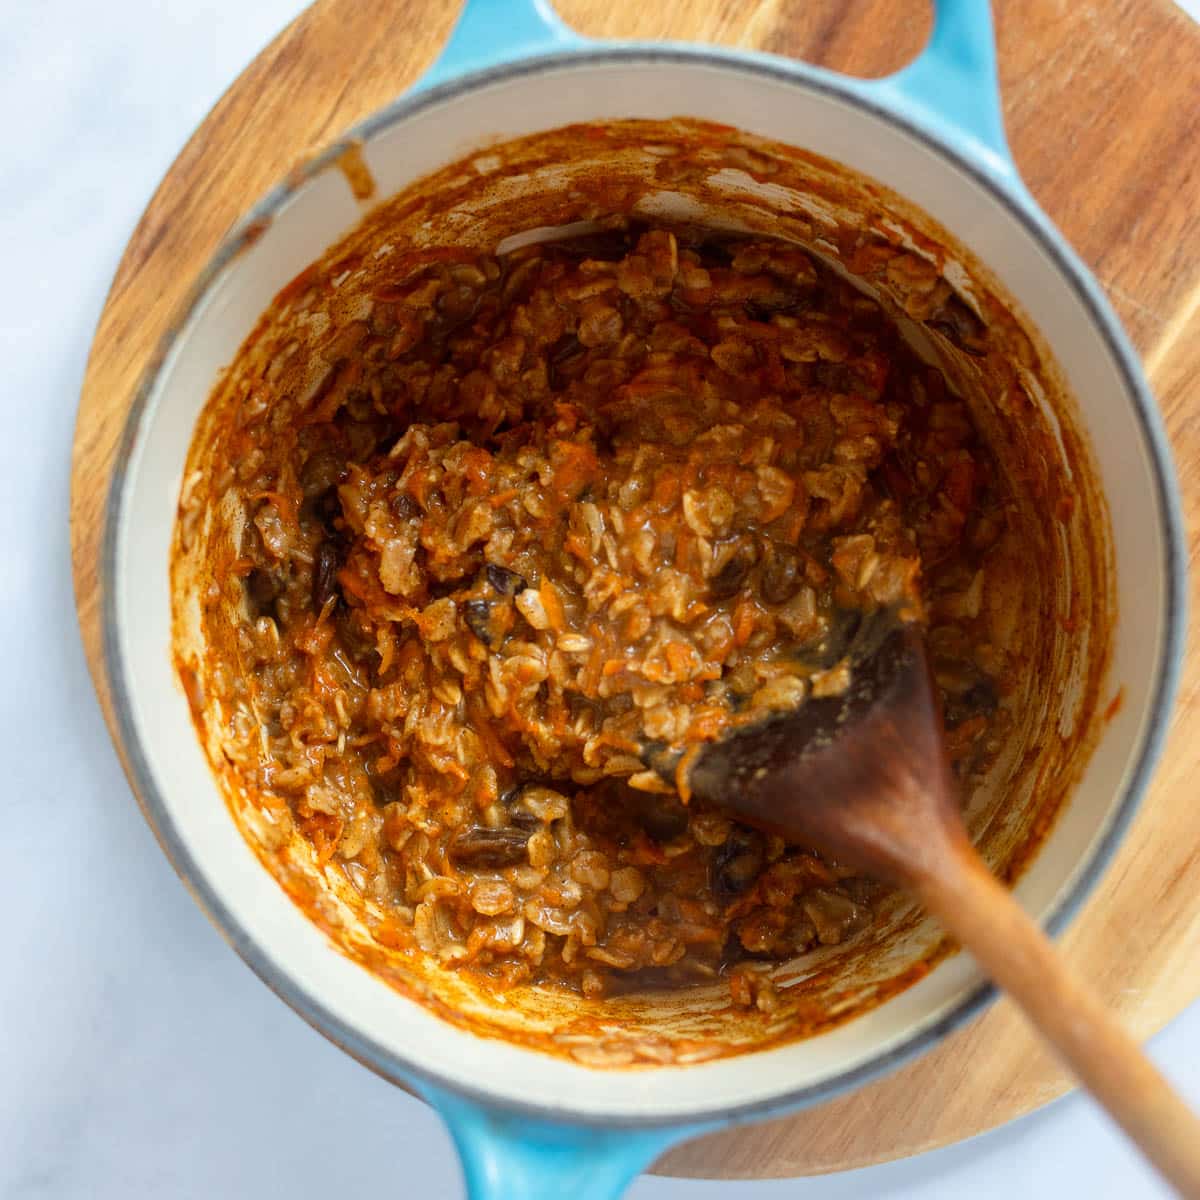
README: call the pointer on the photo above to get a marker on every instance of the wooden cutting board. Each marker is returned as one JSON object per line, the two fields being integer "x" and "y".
{"x": 1102, "y": 100}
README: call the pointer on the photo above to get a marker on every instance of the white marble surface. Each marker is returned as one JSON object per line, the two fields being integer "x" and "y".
{"x": 138, "y": 1056}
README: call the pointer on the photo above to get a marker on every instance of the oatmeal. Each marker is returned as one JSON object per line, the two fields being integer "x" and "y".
{"x": 546, "y": 518}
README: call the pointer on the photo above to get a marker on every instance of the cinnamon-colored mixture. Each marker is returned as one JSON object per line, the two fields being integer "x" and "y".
{"x": 548, "y": 514}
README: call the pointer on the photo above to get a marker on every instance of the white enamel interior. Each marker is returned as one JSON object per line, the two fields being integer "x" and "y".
{"x": 320, "y": 213}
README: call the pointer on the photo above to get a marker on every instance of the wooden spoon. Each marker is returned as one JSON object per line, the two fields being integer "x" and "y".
{"x": 865, "y": 776}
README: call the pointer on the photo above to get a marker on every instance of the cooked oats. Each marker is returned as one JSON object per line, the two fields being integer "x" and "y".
{"x": 542, "y": 515}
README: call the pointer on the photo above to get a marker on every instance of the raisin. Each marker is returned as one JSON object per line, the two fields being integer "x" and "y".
{"x": 737, "y": 863}
{"x": 506, "y": 582}
{"x": 729, "y": 579}
{"x": 404, "y": 506}
{"x": 781, "y": 575}
{"x": 489, "y": 848}
{"x": 478, "y": 616}
{"x": 325, "y": 569}
{"x": 960, "y": 326}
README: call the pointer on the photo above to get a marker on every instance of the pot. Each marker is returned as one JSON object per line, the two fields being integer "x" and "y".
{"x": 528, "y": 1123}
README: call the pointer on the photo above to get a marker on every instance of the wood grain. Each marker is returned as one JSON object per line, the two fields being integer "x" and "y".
{"x": 1102, "y": 100}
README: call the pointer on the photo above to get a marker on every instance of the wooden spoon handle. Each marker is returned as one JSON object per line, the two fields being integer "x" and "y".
{"x": 963, "y": 894}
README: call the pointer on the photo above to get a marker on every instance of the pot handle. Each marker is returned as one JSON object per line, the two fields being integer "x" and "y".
{"x": 952, "y": 84}
{"x": 507, "y": 1156}
{"x": 491, "y": 32}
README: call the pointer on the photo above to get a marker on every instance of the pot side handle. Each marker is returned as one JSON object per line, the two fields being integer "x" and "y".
{"x": 491, "y": 32}
{"x": 952, "y": 84}
{"x": 507, "y": 1156}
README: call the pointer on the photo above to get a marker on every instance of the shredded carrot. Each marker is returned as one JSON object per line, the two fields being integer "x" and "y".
{"x": 591, "y": 673}
{"x": 684, "y": 541}
{"x": 575, "y": 545}
{"x": 680, "y": 658}
{"x": 477, "y": 465}
{"x": 708, "y": 722}
{"x": 744, "y": 620}
{"x": 501, "y": 498}
{"x": 324, "y": 831}
{"x": 552, "y": 603}
{"x": 576, "y": 466}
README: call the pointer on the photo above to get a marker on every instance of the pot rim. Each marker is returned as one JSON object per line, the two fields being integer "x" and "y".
{"x": 1010, "y": 192}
